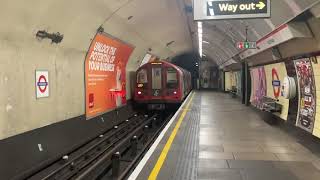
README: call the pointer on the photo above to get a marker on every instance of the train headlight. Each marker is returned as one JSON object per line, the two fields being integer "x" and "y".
{"x": 139, "y": 92}
{"x": 175, "y": 92}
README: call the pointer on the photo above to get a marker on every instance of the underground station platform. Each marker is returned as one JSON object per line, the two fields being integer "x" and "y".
{"x": 214, "y": 136}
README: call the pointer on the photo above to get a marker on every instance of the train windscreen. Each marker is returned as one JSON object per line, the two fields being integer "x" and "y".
{"x": 142, "y": 78}
{"x": 156, "y": 78}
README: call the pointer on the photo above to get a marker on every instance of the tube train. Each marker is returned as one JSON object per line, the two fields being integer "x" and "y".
{"x": 160, "y": 85}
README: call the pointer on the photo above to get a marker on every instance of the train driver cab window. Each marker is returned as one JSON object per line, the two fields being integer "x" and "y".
{"x": 172, "y": 79}
{"x": 142, "y": 78}
{"x": 156, "y": 78}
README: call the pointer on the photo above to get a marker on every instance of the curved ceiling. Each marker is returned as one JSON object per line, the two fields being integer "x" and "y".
{"x": 220, "y": 36}
{"x": 161, "y": 21}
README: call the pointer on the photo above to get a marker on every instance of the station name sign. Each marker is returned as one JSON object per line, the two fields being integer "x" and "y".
{"x": 231, "y": 9}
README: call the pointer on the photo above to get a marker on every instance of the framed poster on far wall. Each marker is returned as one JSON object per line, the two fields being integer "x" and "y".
{"x": 307, "y": 94}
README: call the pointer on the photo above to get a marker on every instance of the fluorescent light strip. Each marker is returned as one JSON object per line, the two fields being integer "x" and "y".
{"x": 200, "y": 31}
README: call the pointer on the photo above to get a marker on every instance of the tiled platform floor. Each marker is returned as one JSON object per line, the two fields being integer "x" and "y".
{"x": 221, "y": 139}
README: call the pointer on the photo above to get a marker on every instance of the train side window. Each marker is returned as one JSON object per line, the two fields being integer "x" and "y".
{"x": 172, "y": 80}
{"x": 142, "y": 78}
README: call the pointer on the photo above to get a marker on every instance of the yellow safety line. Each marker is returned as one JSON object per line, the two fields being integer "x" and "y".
{"x": 164, "y": 153}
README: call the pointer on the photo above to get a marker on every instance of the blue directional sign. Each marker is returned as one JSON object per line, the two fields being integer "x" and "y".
{"x": 231, "y": 9}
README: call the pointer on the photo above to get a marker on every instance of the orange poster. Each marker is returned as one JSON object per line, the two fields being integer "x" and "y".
{"x": 105, "y": 74}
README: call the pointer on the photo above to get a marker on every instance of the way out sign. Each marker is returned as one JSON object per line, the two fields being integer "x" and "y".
{"x": 42, "y": 84}
{"x": 231, "y": 9}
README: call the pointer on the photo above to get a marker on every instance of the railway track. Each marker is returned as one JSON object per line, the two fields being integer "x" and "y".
{"x": 111, "y": 155}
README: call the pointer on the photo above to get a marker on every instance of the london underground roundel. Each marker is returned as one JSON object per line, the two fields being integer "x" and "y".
{"x": 276, "y": 83}
{"x": 42, "y": 84}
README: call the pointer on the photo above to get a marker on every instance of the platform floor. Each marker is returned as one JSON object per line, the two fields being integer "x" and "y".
{"x": 221, "y": 139}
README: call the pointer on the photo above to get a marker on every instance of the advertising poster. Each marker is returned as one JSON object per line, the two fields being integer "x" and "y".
{"x": 259, "y": 86}
{"x": 105, "y": 74}
{"x": 275, "y": 73}
{"x": 307, "y": 94}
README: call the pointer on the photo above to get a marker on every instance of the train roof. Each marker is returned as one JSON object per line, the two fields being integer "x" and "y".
{"x": 167, "y": 63}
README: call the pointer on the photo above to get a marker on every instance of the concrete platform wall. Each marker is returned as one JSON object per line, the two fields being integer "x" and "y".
{"x": 22, "y": 53}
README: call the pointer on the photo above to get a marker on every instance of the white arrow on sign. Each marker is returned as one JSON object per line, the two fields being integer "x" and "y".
{"x": 261, "y": 5}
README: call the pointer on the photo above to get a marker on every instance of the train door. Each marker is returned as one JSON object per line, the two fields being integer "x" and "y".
{"x": 172, "y": 82}
{"x": 156, "y": 81}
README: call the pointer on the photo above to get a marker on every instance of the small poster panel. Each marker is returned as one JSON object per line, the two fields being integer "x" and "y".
{"x": 307, "y": 94}
{"x": 42, "y": 84}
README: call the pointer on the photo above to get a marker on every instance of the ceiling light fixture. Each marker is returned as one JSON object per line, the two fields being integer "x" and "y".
{"x": 200, "y": 31}
{"x": 206, "y": 42}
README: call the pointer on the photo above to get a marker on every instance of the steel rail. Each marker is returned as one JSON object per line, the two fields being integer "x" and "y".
{"x": 89, "y": 171}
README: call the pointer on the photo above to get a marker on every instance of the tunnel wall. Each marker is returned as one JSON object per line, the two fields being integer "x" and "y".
{"x": 277, "y": 72}
{"x": 262, "y": 85}
{"x": 290, "y": 52}
{"x": 22, "y": 53}
{"x": 305, "y": 45}
{"x": 261, "y": 66}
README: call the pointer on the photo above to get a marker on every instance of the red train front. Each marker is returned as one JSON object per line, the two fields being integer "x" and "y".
{"x": 161, "y": 84}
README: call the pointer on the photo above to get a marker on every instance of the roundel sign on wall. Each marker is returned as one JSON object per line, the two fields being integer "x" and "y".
{"x": 42, "y": 84}
{"x": 276, "y": 83}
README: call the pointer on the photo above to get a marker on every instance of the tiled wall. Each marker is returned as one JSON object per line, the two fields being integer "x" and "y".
{"x": 282, "y": 73}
